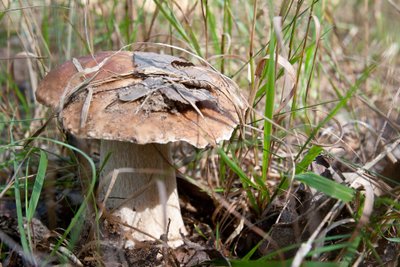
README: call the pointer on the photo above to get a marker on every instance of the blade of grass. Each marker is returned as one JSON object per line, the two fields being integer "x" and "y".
{"x": 326, "y": 186}
{"x": 246, "y": 182}
{"x": 78, "y": 214}
{"x": 300, "y": 168}
{"x": 295, "y": 95}
{"x": 312, "y": 153}
{"x": 26, "y": 187}
{"x": 89, "y": 196}
{"x": 227, "y": 32}
{"x": 38, "y": 185}
{"x": 212, "y": 26}
{"x": 190, "y": 37}
{"x": 236, "y": 169}
{"x": 18, "y": 202}
{"x": 351, "y": 251}
{"x": 270, "y": 98}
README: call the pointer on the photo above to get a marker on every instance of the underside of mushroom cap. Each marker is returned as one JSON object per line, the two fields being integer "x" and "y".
{"x": 142, "y": 97}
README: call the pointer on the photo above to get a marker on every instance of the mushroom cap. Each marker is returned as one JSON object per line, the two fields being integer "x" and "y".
{"x": 142, "y": 97}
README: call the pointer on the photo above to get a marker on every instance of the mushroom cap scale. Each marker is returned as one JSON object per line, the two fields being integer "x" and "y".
{"x": 207, "y": 117}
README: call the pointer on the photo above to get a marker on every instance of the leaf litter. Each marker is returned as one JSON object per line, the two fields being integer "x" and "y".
{"x": 167, "y": 84}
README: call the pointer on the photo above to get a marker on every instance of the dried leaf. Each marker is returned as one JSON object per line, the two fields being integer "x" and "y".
{"x": 173, "y": 95}
{"x": 181, "y": 91}
{"x": 139, "y": 90}
{"x": 132, "y": 93}
{"x": 194, "y": 95}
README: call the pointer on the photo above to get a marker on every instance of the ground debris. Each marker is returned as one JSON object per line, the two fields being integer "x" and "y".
{"x": 180, "y": 84}
{"x": 171, "y": 89}
{"x": 166, "y": 75}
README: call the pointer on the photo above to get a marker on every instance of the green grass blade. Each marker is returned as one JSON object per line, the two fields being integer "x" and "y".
{"x": 190, "y": 37}
{"x": 329, "y": 248}
{"x": 18, "y": 202}
{"x": 236, "y": 169}
{"x": 249, "y": 254}
{"x": 393, "y": 239}
{"x": 20, "y": 217}
{"x": 308, "y": 159}
{"x": 326, "y": 186}
{"x": 351, "y": 251}
{"x": 246, "y": 182}
{"x": 212, "y": 26}
{"x": 38, "y": 185}
{"x": 270, "y": 100}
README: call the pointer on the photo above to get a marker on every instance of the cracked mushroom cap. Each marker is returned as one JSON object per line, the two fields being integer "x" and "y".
{"x": 142, "y": 97}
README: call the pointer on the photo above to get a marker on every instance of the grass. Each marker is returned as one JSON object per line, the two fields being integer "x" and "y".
{"x": 317, "y": 86}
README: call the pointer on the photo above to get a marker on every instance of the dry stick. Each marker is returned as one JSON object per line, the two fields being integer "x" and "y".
{"x": 85, "y": 20}
{"x": 68, "y": 254}
{"x": 88, "y": 99}
{"x": 143, "y": 102}
{"x": 68, "y": 93}
{"x": 317, "y": 40}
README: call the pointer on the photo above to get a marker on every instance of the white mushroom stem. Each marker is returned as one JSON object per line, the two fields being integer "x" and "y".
{"x": 146, "y": 199}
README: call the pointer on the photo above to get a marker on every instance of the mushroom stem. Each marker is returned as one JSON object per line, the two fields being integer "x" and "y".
{"x": 147, "y": 198}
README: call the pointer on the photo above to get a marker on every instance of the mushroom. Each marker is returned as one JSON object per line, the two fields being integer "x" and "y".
{"x": 137, "y": 104}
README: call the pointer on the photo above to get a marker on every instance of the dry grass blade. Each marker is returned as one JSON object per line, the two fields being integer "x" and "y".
{"x": 81, "y": 72}
{"x": 370, "y": 192}
{"x": 307, "y": 246}
{"x": 395, "y": 5}
{"x": 68, "y": 92}
{"x": 86, "y": 106}
{"x": 317, "y": 41}
{"x": 283, "y": 62}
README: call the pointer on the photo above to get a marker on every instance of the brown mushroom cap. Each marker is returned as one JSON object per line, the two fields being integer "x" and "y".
{"x": 145, "y": 120}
